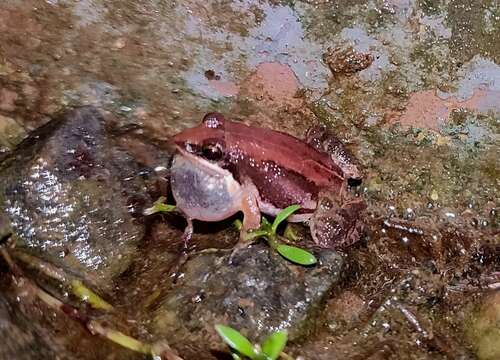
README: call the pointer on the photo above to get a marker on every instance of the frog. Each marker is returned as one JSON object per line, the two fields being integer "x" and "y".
{"x": 222, "y": 167}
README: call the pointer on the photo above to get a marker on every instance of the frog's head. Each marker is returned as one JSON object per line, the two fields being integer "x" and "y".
{"x": 205, "y": 140}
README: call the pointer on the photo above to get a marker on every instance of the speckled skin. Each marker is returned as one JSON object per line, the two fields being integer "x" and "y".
{"x": 222, "y": 167}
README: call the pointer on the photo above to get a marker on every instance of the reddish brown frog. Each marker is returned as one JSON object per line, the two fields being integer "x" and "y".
{"x": 222, "y": 167}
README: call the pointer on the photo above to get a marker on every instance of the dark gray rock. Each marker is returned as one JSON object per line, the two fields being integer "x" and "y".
{"x": 69, "y": 193}
{"x": 260, "y": 293}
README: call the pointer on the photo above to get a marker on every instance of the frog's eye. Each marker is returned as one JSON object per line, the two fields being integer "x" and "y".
{"x": 190, "y": 147}
{"x": 212, "y": 151}
{"x": 213, "y": 120}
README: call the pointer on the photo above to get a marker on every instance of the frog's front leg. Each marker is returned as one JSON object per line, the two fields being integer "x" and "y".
{"x": 250, "y": 208}
{"x": 337, "y": 221}
{"x": 251, "y": 216}
{"x": 188, "y": 234}
{"x": 175, "y": 270}
{"x": 162, "y": 180}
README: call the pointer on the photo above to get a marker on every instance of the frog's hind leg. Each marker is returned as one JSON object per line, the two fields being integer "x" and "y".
{"x": 337, "y": 222}
{"x": 324, "y": 140}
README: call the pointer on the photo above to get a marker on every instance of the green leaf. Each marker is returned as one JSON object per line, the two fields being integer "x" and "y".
{"x": 159, "y": 206}
{"x": 296, "y": 255}
{"x": 236, "y": 341}
{"x": 262, "y": 356}
{"x": 274, "y": 344}
{"x": 283, "y": 214}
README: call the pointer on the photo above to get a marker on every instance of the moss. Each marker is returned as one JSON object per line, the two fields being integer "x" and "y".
{"x": 432, "y": 56}
{"x": 474, "y": 29}
{"x": 445, "y": 167}
{"x": 378, "y": 17}
{"x": 430, "y": 7}
{"x": 246, "y": 107}
{"x": 325, "y": 21}
{"x": 458, "y": 117}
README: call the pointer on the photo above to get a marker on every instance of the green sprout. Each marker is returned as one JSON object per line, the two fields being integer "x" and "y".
{"x": 87, "y": 295}
{"x": 159, "y": 206}
{"x": 268, "y": 232}
{"x": 271, "y": 348}
{"x": 289, "y": 233}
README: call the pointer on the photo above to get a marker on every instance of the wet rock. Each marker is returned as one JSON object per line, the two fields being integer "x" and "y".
{"x": 273, "y": 99}
{"x": 273, "y": 83}
{"x": 257, "y": 294}
{"x": 11, "y": 133}
{"x": 346, "y": 61}
{"x": 66, "y": 192}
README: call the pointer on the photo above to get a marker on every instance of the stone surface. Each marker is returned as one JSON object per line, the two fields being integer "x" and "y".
{"x": 11, "y": 133}
{"x": 66, "y": 195}
{"x": 259, "y": 293}
{"x": 422, "y": 118}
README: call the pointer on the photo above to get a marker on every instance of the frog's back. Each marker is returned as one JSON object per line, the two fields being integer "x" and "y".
{"x": 291, "y": 153}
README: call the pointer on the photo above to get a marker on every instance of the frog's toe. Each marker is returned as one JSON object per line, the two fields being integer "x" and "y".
{"x": 234, "y": 254}
{"x": 240, "y": 245}
{"x": 339, "y": 226}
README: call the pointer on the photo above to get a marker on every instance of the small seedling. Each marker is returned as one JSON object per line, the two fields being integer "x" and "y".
{"x": 268, "y": 232}
{"x": 159, "y": 206}
{"x": 241, "y": 347}
{"x": 289, "y": 233}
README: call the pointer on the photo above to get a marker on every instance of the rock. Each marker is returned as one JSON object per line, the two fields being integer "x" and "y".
{"x": 8, "y": 100}
{"x": 66, "y": 192}
{"x": 119, "y": 44}
{"x": 11, "y": 133}
{"x": 259, "y": 293}
{"x": 346, "y": 60}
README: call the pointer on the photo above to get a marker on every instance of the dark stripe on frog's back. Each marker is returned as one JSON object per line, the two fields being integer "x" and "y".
{"x": 276, "y": 185}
